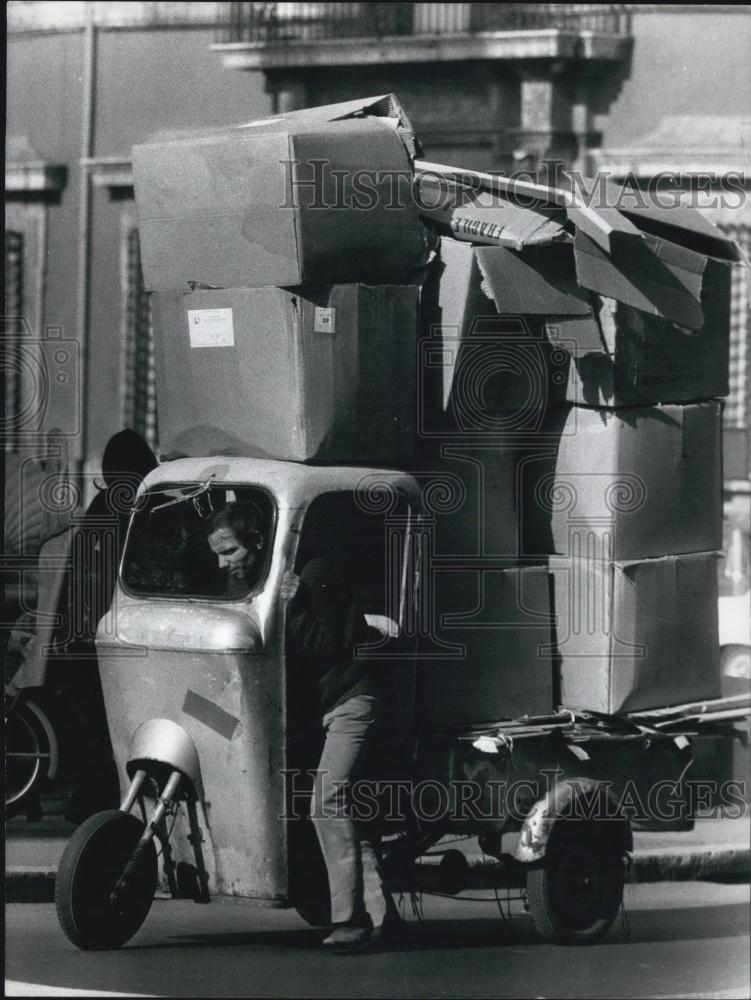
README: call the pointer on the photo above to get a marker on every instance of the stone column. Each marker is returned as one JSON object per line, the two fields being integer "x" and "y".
{"x": 545, "y": 130}
{"x": 288, "y": 92}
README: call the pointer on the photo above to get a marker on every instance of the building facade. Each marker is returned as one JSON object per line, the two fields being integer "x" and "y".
{"x": 488, "y": 86}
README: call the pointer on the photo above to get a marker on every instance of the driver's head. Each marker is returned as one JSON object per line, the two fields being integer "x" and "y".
{"x": 322, "y": 583}
{"x": 235, "y": 538}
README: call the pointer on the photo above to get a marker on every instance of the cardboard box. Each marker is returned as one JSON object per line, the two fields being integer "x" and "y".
{"x": 488, "y": 654}
{"x": 621, "y": 356}
{"x": 646, "y": 482}
{"x": 656, "y": 276}
{"x": 509, "y": 331}
{"x": 470, "y": 494}
{"x": 325, "y": 373}
{"x": 636, "y": 635}
{"x": 280, "y": 202}
{"x": 485, "y": 358}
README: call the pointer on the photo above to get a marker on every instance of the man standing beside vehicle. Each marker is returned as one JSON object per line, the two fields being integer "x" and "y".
{"x": 324, "y": 627}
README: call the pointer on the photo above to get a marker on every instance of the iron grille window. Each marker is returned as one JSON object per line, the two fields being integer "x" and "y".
{"x": 14, "y": 306}
{"x": 139, "y": 383}
{"x": 737, "y": 405}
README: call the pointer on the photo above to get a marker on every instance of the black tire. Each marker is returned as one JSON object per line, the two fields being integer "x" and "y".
{"x": 576, "y": 896}
{"x": 27, "y": 756}
{"x": 91, "y": 866}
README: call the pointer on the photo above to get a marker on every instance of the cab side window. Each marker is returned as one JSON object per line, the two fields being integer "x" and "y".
{"x": 366, "y": 547}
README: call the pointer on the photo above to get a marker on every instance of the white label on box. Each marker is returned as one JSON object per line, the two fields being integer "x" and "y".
{"x": 211, "y": 328}
{"x": 324, "y": 320}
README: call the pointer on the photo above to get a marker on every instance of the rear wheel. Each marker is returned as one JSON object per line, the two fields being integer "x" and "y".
{"x": 576, "y": 896}
{"x": 90, "y": 913}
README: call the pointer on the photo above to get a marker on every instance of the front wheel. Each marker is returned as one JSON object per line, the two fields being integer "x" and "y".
{"x": 91, "y": 915}
{"x": 576, "y": 896}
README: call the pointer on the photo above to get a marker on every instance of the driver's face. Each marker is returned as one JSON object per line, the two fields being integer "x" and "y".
{"x": 232, "y": 554}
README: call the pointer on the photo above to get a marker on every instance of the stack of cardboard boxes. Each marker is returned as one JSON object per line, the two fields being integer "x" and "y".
{"x": 553, "y": 375}
{"x": 634, "y": 541}
{"x": 281, "y": 255}
{"x": 584, "y": 385}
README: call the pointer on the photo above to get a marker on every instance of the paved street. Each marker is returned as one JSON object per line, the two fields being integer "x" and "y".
{"x": 679, "y": 940}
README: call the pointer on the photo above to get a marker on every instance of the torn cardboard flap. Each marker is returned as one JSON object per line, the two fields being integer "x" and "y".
{"x": 657, "y": 277}
{"x": 381, "y": 106}
{"x": 678, "y": 223}
{"x": 386, "y": 108}
{"x": 579, "y": 335}
{"x": 486, "y": 218}
{"x": 606, "y": 227}
{"x": 537, "y": 281}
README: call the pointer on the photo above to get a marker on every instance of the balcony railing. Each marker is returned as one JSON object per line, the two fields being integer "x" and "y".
{"x": 267, "y": 24}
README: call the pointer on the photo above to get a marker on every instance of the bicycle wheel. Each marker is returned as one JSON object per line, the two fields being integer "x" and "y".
{"x": 27, "y": 755}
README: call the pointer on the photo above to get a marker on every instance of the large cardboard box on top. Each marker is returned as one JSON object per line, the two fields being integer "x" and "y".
{"x": 643, "y": 481}
{"x": 636, "y": 635}
{"x": 313, "y": 374}
{"x": 488, "y": 654}
{"x": 289, "y": 200}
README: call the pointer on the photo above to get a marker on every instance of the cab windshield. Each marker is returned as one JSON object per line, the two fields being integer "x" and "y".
{"x": 199, "y": 540}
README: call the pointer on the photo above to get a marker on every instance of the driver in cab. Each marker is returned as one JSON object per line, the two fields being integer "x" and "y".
{"x": 236, "y": 539}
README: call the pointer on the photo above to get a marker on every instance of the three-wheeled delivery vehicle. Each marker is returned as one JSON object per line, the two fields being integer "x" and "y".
{"x": 208, "y": 724}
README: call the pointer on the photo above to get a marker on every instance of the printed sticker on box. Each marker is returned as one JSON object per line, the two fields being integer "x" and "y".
{"x": 324, "y": 320}
{"x": 211, "y": 328}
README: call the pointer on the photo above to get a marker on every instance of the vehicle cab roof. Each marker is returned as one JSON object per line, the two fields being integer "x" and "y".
{"x": 291, "y": 483}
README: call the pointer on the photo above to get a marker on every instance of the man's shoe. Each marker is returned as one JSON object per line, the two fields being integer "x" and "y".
{"x": 348, "y": 938}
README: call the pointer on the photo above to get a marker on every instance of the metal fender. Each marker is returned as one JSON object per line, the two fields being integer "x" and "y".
{"x": 558, "y": 804}
{"x": 162, "y": 741}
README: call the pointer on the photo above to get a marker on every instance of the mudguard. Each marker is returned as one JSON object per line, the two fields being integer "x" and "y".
{"x": 161, "y": 741}
{"x": 560, "y": 803}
